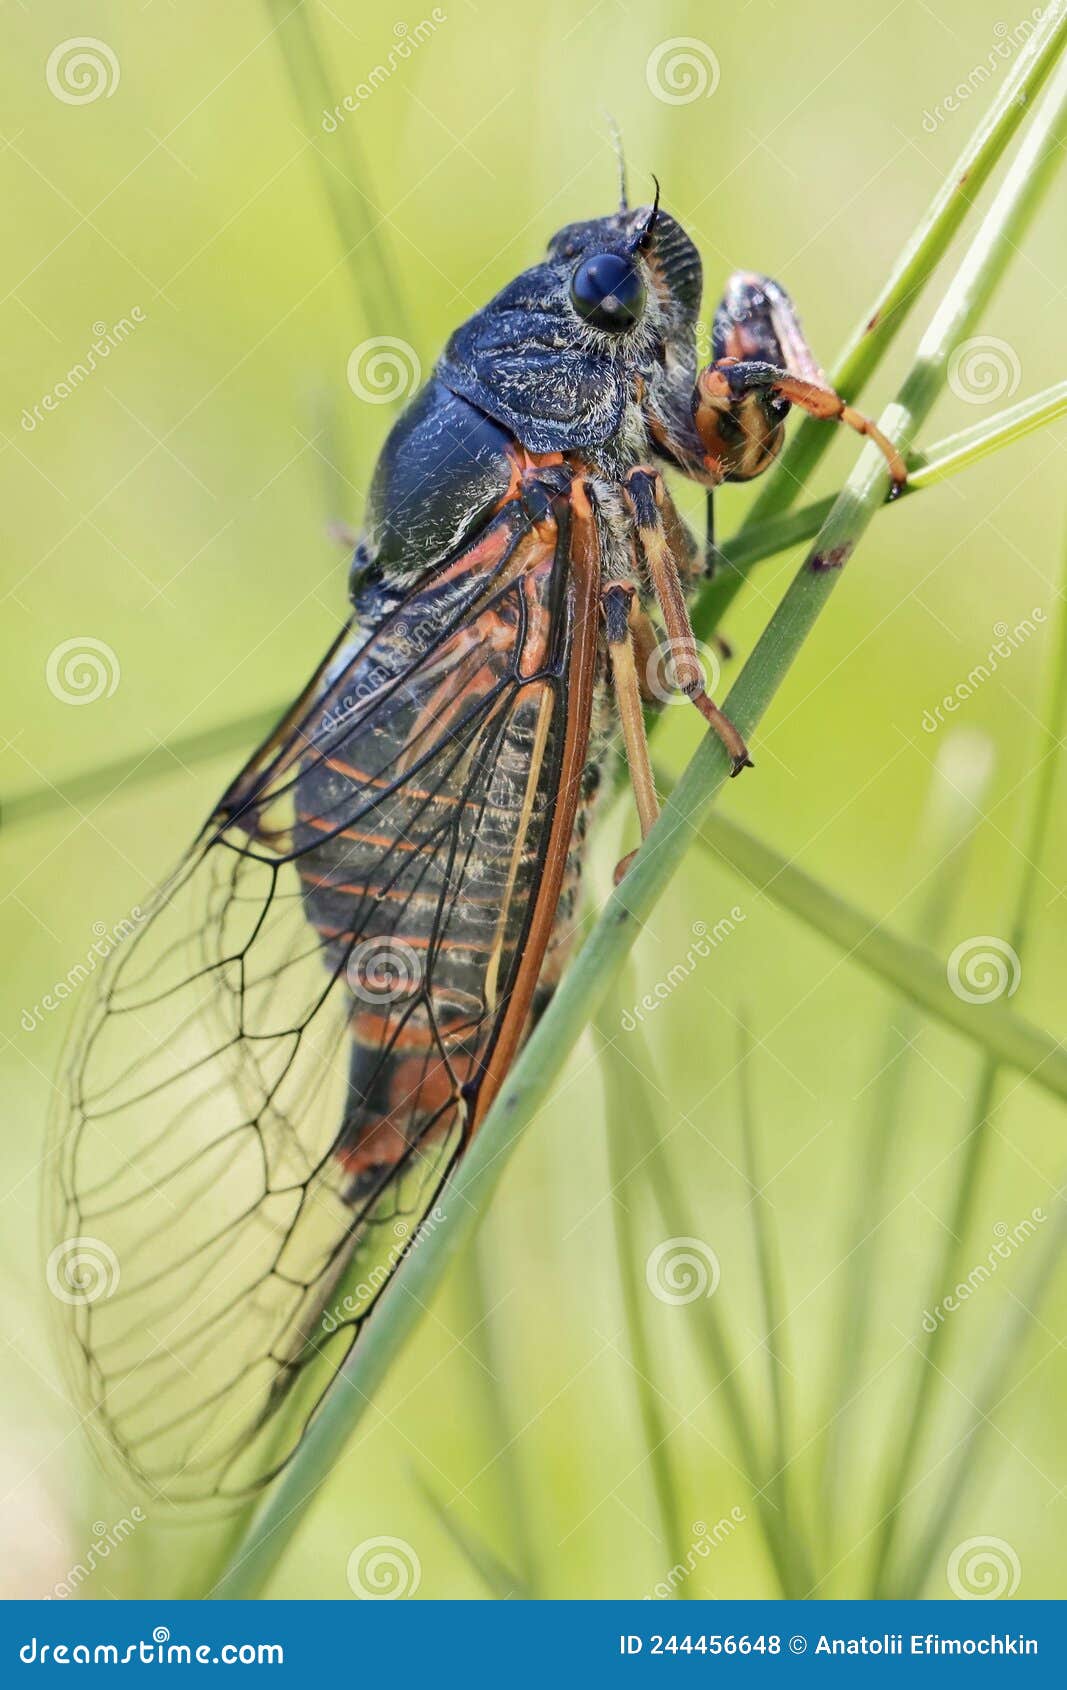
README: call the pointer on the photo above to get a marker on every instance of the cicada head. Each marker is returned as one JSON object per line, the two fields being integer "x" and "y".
{"x": 601, "y": 333}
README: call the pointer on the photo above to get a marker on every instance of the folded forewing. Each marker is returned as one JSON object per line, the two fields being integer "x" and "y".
{"x": 284, "y": 1061}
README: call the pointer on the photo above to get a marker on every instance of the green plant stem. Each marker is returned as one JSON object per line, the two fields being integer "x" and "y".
{"x": 999, "y": 1364}
{"x": 925, "y": 248}
{"x": 107, "y": 779}
{"x": 631, "y": 1103}
{"x": 910, "y": 969}
{"x": 955, "y": 801}
{"x": 498, "y": 1578}
{"x": 959, "y": 451}
{"x": 770, "y": 1280}
{"x": 976, "y": 1140}
{"x": 716, "y": 1347}
{"x": 482, "y": 1341}
{"x": 945, "y": 458}
{"x": 529, "y": 1085}
{"x": 622, "y": 1105}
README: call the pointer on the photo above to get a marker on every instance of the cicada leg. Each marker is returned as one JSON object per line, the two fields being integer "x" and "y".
{"x": 617, "y": 605}
{"x": 762, "y": 365}
{"x": 644, "y": 494}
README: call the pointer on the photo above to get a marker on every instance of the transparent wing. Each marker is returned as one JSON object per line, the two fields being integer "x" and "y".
{"x": 283, "y": 1062}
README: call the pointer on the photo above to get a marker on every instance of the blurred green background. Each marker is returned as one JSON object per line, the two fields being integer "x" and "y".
{"x": 174, "y": 507}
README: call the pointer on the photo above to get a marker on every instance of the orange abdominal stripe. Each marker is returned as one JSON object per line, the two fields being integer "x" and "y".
{"x": 422, "y": 1091}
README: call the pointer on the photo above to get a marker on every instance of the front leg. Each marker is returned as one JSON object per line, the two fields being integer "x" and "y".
{"x": 762, "y": 365}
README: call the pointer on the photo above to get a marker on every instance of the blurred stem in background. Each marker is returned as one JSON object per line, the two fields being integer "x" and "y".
{"x": 984, "y": 1400}
{"x": 961, "y": 778}
{"x": 627, "y": 1118}
{"x": 359, "y": 222}
{"x": 473, "y": 1278}
{"x": 975, "y": 1147}
{"x": 769, "y": 1276}
{"x": 497, "y": 1577}
{"x": 918, "y": 974}
{"x": 637, "y": 1146}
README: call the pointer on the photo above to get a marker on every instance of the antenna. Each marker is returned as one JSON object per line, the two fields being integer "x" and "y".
{"x": 616, "y": 143}
{"x": 643, "y": 237}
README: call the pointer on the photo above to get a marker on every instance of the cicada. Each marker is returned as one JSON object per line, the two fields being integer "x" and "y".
{"x": 284, "y": 1062}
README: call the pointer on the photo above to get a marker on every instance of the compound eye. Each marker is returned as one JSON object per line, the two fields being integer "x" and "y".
{"x": 607, "y": 292}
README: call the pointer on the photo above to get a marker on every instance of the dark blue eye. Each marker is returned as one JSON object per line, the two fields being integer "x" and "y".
{"x": 607, "y": 291}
